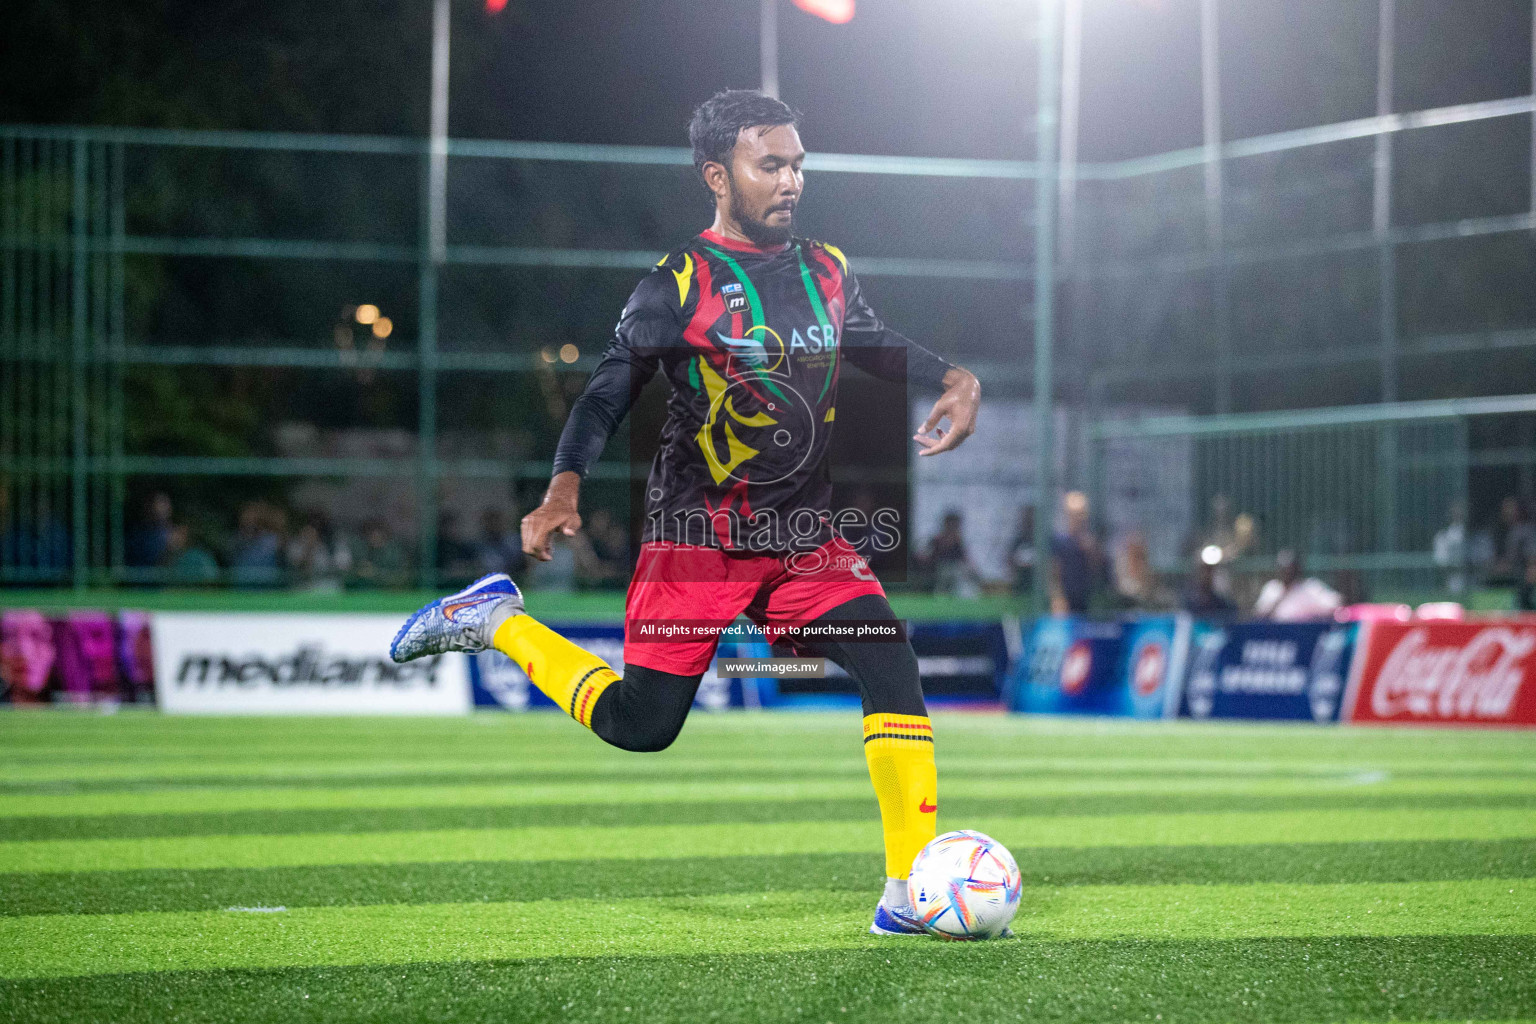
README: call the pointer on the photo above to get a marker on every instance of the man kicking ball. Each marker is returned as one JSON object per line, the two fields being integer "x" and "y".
{"x": 750, "y": 324}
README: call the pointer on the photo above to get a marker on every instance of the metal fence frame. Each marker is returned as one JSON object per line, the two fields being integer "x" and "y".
{"x": 91, "y": 458}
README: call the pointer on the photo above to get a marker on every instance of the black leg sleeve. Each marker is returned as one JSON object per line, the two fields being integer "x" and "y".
{"x": 886, "y": 671}
{"x": 645, "y": 710}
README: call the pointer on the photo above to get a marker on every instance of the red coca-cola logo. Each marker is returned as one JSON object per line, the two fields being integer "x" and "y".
{"x": 1477, "y": 675}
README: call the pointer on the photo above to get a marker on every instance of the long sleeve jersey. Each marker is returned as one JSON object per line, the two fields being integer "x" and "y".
{"x": 752, "y": 341}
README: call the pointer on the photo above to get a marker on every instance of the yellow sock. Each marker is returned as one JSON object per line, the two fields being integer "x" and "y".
{"x": 899, "y": 749}
{"x": 571, "y": 677}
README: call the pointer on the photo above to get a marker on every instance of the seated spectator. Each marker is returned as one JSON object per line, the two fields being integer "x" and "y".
{"x": 501, "y": 546}
{"x": 256, "y": 557}
{"x": 378, "y": 559}
{"x": 149, "y": 539}
{"x": 315, "y": 560}
{"x": 1516, "y": 564}
{"x": 1290, "y": 597}
{"x": 187, "y": 563}
{"x": 1452, "y": 548}
{"x": 1021, "y": 552}
{"x": 455, "y": 552}
{"x": 610, "y": 548}
{"x": 952, "y": 570}
{"x": 1200, "y": 596}
{"x": 1136, "y": 585}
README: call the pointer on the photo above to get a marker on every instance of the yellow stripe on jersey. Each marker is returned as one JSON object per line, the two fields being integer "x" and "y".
{"x": 835, "y": 251}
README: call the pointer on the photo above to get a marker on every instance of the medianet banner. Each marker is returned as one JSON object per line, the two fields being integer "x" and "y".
{"x": 276, "y": 664}
{"x": 1445, "y": 673}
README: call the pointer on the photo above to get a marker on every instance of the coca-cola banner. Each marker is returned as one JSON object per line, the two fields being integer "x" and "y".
{"x": 1445, "y": 673}
{"x": 298, "y": 664}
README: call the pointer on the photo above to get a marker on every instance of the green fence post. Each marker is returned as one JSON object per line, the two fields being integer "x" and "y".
{"x": 426, "y": 390}
{"x": 77, "y": 466}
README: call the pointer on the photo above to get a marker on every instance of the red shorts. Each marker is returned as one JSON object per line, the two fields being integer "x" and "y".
{"x": 696, "y": 583}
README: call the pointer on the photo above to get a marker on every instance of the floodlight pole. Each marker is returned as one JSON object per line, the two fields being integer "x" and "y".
{"x": 433, "y": 251}
{"x": 1046, "y": 124}
{"x": 768, "y": 47}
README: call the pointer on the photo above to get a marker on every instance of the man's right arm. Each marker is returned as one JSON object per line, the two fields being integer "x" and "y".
{"x": 647, "y": 327}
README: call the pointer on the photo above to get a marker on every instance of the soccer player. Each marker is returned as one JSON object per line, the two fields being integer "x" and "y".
{"x": 751, "y": 326}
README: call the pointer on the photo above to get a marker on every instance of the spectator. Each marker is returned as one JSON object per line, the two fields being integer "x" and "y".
{"x": 186, "y": 563}
{"x": 315, "y": 560}
{"x": 1290, "y": 597}
{"x": 1136, "y": 585}
{"x": 1077, "y": 564}
{"x": 378, "y": 559}
{"x": 1200, "y": 596}
{"x": 1517, "y": 551}
{"x": 610, "y": 547}
{"x": 1021, "y": 552}
{"x": 455, "y": 553}
{"x": 501, "y": 547}
{"x": 255, "y": 561}
{"x": 1451, "y": 549}
{"x": 952, "y": 570}
{"x": 150, "y": 538}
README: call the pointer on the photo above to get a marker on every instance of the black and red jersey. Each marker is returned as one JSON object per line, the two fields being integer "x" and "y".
{"x": 753, "y": 342}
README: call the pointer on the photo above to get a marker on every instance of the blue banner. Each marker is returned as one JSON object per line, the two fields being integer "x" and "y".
{"x": 496, "y": 681}
{"x": 1080, "y": 667}
{"x": 1268, "y": 670}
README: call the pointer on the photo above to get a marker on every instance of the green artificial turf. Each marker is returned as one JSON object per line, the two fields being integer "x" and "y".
{"x": 512, "y": 868}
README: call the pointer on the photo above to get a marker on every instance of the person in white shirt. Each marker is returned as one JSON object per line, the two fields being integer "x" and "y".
{"x": 1290, "y": 597}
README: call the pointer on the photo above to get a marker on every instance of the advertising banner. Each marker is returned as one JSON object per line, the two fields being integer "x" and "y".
{"x": 498, "y": 682}
{"x": 1445, "y": 673}
{"x": 1273, "y": 670}
{"x": 76, "y": 656}
{"x": 1077, "y": 666}
{"x": 275, "y": 664}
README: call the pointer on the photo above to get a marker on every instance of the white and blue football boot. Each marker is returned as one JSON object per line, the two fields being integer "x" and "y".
{"x": 895, "y": 921}
{"x": 465, "y": 621}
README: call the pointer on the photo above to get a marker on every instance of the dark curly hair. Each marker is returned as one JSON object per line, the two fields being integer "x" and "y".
{"x": 719, "y": 120}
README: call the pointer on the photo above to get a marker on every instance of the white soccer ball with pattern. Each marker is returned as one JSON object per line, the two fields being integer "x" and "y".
{"x": 965, "y": 885}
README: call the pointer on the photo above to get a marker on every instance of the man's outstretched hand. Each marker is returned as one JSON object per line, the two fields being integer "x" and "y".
{"x": 958, "y": 404}
{"x": 556, "y": 512}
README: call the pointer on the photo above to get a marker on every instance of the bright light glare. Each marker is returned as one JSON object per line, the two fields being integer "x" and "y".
{"x": 569, "y": 353}
{"x": 367, "y": 313}
{"x": 1210, "y": 554}
{"x": 382, "y": 327}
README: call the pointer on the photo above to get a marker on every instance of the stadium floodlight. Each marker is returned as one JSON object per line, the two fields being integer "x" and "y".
{"x": 1211, "y": 554}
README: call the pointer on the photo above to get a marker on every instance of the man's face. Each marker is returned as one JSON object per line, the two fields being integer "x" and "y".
{"x": 765, "y": 182}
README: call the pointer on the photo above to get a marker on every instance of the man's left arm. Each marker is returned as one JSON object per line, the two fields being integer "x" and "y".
{"x": 881, "y": 352}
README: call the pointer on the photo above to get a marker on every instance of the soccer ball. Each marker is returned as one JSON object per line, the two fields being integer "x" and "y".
{"x": 964, "y": 885}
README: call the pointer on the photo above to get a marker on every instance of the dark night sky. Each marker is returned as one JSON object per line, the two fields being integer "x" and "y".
{"x": 905, "y": 76}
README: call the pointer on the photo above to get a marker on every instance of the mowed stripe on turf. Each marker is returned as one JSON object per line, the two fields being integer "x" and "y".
{"x": 54, "y": 946}
{"x": 1263, "y": 981}
{"x": 621, "y": 791}
{"x": 667, "y": 841}
{"x": 100, "y": 892}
